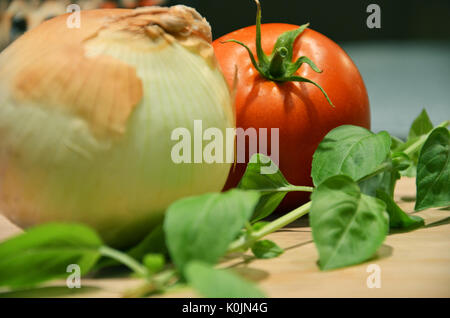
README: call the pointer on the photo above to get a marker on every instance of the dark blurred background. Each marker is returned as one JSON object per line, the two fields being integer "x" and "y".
{"x": 343, "y": 20}
{"x": 405, "y": 63}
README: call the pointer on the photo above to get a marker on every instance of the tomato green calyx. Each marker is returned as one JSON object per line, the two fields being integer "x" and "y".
{"x": 279, "y": 67}
{"x": 277, "y": 62}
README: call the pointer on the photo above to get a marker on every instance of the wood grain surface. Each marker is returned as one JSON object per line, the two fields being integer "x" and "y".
{"x": 413, "y": 264}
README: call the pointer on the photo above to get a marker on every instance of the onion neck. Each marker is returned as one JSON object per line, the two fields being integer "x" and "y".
{"x": 279, "y": 66}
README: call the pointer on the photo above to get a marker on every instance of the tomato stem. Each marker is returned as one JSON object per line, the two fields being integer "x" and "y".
{"x": 276, "y": 67}
{"x": 259, "y": 51}
{"x": 279, "y": 67}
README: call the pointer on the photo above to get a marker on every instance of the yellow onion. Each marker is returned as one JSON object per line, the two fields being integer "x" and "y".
{"x": 86, "y": 116}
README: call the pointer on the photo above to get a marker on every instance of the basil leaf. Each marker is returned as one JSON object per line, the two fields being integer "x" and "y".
{"x": 385, "y": 180}
{"x": 348, "y": 227}
{"x": 398, "y": 219}
{"x": 400, "y": 161}
{"x": 273, "y": 187}
{"x": 422, "y": 125}
{"x": 214, "y": 283}
{"x": 268, "y": 203}
{"x": 407, "y": 167}
{"x": 253, "y": 179}
{"x": 349, "y": 150}
{"x": 433, "y": 171}
{"x": 259, "y": 225}
{"x": 396, "y": 143}
{"x": 410, "y": 172}
{"x": 202, "y": 227}
{"x": 266, "y": 249}
{"x": 43, "y": 253}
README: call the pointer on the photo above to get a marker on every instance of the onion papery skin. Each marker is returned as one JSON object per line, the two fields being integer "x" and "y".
{"x": 105, "y": 159}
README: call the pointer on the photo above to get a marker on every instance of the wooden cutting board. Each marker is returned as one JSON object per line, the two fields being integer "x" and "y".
{"x": 414, "y": 264}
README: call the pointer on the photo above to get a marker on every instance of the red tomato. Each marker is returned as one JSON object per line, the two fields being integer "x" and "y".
{"x": 299, "y": 110}
{"x": 108, "y": 5}
{"x": 148, "y": 3}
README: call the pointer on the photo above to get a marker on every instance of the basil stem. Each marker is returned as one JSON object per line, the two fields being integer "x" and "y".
{"x": 125, "y": 260}
{"x": 246, "y": 241}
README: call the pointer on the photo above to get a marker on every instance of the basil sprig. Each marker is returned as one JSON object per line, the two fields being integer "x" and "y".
{"x": 352, "y": 211}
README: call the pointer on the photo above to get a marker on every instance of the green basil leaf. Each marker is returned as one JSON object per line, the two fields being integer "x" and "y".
{"x": 266, "y": 249}
{"x": 254, "y": 179}
{"x": 401, "y": 161}
{"x": 214, "y": 283}
{"x": 370, "y": 186}
{"x": 259, "y": 225}
{"x": 385, "y": 180}
{"x": 410, "y": 172}
{"x": 396, "y": 143}
{"x": 399, "y": 219}
{"x": 43, "y": 253}
{"x": 273, "y": 187}
{"x": 350, "y": 150}
{"x": 348, "y": 227}
{"x": 267, "y": 204}
{"x": 433, "y": 171}
{"x": 422, "y": 125}
{"x": 202, "y": 227}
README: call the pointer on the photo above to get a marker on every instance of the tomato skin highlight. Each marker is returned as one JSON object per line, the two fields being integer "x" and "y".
{"x": 299, "y": 110}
